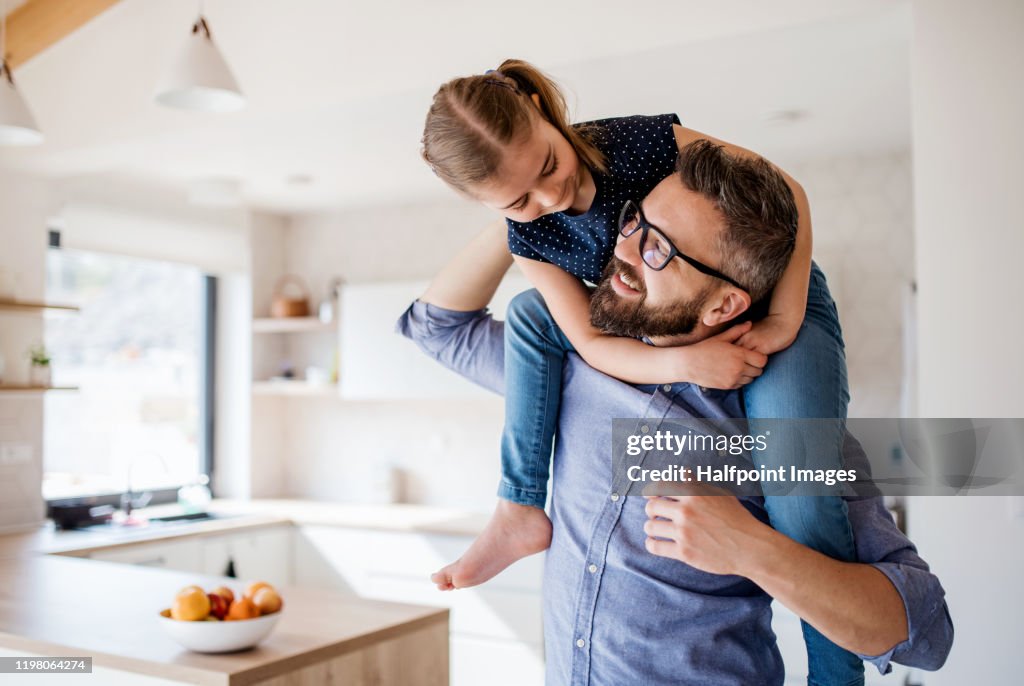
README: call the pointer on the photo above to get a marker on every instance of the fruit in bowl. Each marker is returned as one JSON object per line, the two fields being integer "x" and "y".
{"x": 218, "y": 605}
{"x": 220, "y": 621}
{"x": 190, "y": 605}
{"x": 242, "y": 608}
{"x": 267, "y": 601}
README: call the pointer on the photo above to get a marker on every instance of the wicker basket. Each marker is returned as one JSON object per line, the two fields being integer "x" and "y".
{"x": 284, "y": 305}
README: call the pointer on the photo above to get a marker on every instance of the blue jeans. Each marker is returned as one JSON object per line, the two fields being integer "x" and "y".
{"x": 535, "y": 351}
{"x": 806, "y": 380}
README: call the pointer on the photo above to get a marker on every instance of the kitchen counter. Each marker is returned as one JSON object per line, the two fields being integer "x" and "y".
{"x": 46, "y": 539}
{"x": 246, "y": 514}
{"x": 398, "y": 517}
{"x": 60, "y": 606}
{"x": 52, "y": 603}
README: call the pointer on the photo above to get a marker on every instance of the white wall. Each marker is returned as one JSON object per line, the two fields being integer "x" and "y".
{"x": 24, "y": 209}
{"x": 448, "y": 451}
{"x": 862, "y": 214}
{"x": 232, "y": 477}
{"x": 968, "y": 105}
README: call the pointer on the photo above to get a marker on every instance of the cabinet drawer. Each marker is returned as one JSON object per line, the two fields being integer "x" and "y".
{"x": 414, "y": 555}
{"x": 178, "y": 555}
{"x": 255, "y": 555}
{"x": 477, "y": 661}
{"x": 482, "y": 612}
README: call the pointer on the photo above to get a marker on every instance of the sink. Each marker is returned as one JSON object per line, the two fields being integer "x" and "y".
{"x": 190, "y": 517}
{"x": 154, "y": 523}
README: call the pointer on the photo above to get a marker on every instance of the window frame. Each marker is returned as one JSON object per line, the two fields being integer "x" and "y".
{"x": 207, "y": 403}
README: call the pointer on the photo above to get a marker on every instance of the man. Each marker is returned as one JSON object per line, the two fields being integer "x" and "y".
{"x": 678, "y": 589}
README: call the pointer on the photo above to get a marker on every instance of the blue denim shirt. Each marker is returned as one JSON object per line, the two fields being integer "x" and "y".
{"x": 616, "y": 614}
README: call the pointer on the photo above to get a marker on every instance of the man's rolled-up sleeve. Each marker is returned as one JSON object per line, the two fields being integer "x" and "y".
{"x": 929, "y": 626}
{"x": 472, "y": 344}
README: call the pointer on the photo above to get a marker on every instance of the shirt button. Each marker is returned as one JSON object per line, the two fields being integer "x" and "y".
{"x": 592, "y": 569}
{"x": 644, "y": 429}
{"x": 703, "y": 389}
{"x": 615, "y": 496}
{"x": 667, "y": 388}
{"x": 580, "y": 643}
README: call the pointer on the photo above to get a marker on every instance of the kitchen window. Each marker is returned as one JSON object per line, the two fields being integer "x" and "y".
{"x": 140, "y": 353}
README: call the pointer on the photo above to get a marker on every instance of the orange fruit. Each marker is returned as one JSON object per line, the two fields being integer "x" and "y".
{"x": 267, "y": 600}
{"x": 191, "y": 605}
{"x": 251, "y": 589}
{"x": 242, "y": 609}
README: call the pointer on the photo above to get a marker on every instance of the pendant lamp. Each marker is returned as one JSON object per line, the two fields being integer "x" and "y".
{"x": 17, "y": 125}
{"x": 200, "y": 79}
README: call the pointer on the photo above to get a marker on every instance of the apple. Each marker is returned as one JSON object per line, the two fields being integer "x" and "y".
{"x": 226, "y": 592}
{"x": 218, "y": 605}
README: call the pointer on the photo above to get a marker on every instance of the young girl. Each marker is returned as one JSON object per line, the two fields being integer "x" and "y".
{"x": 504, "y": 139}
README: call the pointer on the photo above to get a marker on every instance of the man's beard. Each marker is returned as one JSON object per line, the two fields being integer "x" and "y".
{"x": 630, "y": 317}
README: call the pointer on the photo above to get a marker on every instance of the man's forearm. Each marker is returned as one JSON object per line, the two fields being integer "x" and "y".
{"x": 854, "y": 605}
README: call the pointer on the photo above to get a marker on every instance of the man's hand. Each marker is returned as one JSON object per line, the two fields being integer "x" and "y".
{"x": 704, "y": 527}
{"x": 719, "y": 362}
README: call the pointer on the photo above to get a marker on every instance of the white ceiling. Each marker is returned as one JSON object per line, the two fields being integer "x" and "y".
{"x": 338, "y": 90}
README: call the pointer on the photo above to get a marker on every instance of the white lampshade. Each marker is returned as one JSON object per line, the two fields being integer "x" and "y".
{"x": 200, "y": 78}
{"x": 17, "y": 125}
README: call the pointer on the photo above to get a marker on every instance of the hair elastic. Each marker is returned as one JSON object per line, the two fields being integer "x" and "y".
{"x": 503, "y": 84}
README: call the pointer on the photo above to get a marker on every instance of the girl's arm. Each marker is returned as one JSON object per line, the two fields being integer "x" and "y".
{"x": 789, "y": 300}
{"x": 715, "y": 362}
{"x": 468, "y": 281}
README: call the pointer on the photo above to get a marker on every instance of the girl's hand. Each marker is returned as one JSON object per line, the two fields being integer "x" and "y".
{"x": 770, "y": 335}
{"x": 718, "y": 362}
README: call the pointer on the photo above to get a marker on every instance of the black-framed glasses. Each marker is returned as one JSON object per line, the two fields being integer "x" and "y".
{"x": 655, "y": 247}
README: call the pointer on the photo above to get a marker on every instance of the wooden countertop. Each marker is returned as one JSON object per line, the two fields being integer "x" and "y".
{"x": 248, "y": 514}
{"x": 56, "y": 605}
{"x": 398, "y": 517}
{"x": 52, "y": 603}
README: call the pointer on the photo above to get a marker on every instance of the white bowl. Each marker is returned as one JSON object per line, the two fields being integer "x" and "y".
{"x": 219, "y": 637}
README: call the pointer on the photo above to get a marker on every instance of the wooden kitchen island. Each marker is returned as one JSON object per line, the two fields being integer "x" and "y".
{"x": 52, "y": 605}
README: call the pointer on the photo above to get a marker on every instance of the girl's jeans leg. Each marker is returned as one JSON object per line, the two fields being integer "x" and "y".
{"x": 534, "y": 354}
{"x": 808, "y": 380}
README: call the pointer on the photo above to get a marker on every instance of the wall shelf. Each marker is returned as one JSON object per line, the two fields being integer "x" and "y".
{"x": 27, "y": 306}
{"x": 35, "y": 389}
{"x": 291, "y": 325}
{"x": 294, "y": 388}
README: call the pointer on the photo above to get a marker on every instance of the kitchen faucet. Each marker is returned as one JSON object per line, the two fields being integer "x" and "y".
{"x": 128, "y": 501}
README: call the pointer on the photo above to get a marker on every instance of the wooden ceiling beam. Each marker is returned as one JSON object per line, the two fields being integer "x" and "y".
{"x": 38, "y": 24}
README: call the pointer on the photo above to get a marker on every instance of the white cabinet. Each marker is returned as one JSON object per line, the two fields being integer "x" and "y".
{"x": 498, "y": 623}
{"x": 263, "y": 555}
{"x": 180, "y": 555}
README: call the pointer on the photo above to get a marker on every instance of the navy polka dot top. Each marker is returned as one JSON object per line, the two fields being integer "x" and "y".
{"x": 640, "y": 152}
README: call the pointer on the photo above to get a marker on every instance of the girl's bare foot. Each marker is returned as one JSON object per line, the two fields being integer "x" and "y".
{"x": 514, "y": 532}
